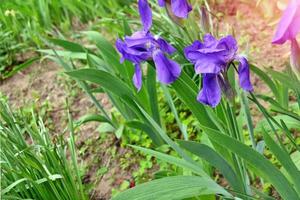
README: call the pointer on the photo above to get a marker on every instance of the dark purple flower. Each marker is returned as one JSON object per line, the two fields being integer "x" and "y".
{"x": 180, "y": 8}
{"x": 212, "y": 58}
{"x": 142, "y": 46}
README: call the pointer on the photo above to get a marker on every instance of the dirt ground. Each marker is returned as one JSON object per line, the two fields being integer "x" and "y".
{"x": 45, "y": 82}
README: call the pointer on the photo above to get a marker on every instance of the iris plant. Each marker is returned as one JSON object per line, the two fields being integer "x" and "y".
{"x": 288, "y": 28}
{"x": 180, "y": 8}
{"x": 143, "y": 46}
{"x": 212, "y": 58}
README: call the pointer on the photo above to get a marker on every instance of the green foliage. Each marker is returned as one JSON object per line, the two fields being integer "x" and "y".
{"x": 227, "y": 144}
{"x": 33, "y": 166}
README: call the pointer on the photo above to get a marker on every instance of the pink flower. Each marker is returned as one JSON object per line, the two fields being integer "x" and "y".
{"x": 289, "y": 24}
{"x": 288, "y": 28}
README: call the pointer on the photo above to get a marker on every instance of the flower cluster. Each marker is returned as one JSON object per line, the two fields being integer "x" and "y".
{"x": 212, "y": 58}
{"x": 143, "y": 46}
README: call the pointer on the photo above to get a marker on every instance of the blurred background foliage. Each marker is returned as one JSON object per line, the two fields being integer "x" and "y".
{"x": 27, "y": 25}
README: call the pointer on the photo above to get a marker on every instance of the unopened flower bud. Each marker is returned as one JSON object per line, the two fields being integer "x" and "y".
{"x": 205, "y": 24}
{"x": 172, "y": 16}
{"x": 295, "y": 57}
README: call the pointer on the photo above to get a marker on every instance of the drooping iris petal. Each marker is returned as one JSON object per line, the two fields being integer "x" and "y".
{"x": 295, "y": 57}
{"x": 165, "y": 46}
{"x": 146, "y": 14}
{"x": 161, "y": 3}
{"x": 137, "y": 77}
{"x": 210, "y": 93}
{"x": 181, "y": 8}
{"x": 167, "y": 70}
{"x": 244, "y": 74}
{"x": 289, "y": 24}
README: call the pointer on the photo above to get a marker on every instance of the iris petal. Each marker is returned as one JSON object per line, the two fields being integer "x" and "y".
{"x": 210, "y": 93}
{"x": 167, "y": 70}
{"x": 244, "y": 74}
{"x": 161, "y": 3}
{"x": 289, "y": 24}
{"x": 146, "y": 14}
{"x": 165, "y": 46}
{"x": 137, "y": 77}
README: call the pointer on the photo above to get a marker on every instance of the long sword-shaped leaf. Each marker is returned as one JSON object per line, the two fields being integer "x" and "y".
{"x": 262, "y": 166}
{"x": 186, "y": 90}
{"x": 285, "y": 159}
{"x": 176, "y": 187}
{"x": 173, "y": 160}
{"x": 208, "y": 154}
{"x": 103, "y": 78}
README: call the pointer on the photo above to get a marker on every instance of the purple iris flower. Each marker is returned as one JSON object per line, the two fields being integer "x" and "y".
{"x": 142, "y": 46}
{"x": 180, "y": 8}
{"x": 212, "y": 58}
{"x": 288, "y": 28}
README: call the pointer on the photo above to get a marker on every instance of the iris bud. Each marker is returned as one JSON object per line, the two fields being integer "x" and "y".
{"x": 295, "y": 57}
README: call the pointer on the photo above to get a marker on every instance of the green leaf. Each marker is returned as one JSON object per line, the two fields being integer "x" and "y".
{"x": 152, "y": 93}
{"x": 266, "y": 79}
{"x": 105, "y": 79}
{"x": 289, "y": 121}
{"x": 171, "y": 104}
{"x": 20, "y": 67}
{"x": 187, "y": 92}
{"x": 71, "y": 46}
{"x": 147, "y": 129}
{"x": 177, "y": 187}
{"x": 91, "y": 118}
{"x": 286, "y": 79}
{"x": 173, "y": 160}
{"x": 119, "y": 131}
{"x": 205, "y": 152}
{"x": 108, "y": 52}
{"x": 262, "y": 166}
{"x": 285, "y": 160}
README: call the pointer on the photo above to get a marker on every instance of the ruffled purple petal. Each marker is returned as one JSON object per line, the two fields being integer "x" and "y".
{"x": 167, "y": 70}
{"x": 146, "y": 14}
{"x": 139, "y": 38}
{"x": 162, "y": 3}
{"x": 181, "y": 8}
{"x": 133, "y": 54}
{"x": 210, "y": 93}
{"x": 165, "y": 46}
{"x": 289, "y": 24}
{"x": 137, "y": 77}
{"x": 210, "y": 41}
{"x": 188, "y": 51}
{"x": 229, "y": 44}
{"x": 244, "y": 74}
